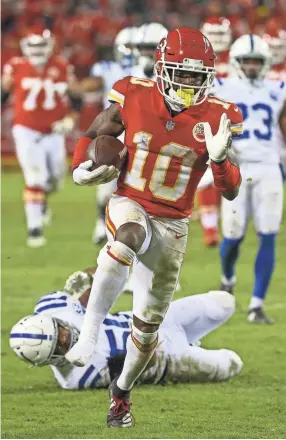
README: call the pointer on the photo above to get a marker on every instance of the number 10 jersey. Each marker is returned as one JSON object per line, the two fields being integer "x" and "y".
{"x": 167, "y": 155}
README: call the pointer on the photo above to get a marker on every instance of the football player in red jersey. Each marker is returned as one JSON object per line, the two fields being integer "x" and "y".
{"x": 39, "y": 82}
{"x": 168, "y": 133}
{"x": 276, "y": 39}
{"x": 218, "y": 31}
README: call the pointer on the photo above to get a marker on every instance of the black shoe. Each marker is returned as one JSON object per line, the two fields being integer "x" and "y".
{"x": 119, "y": 415}
{"x": 227, "y": 288}
{"x": 257, "y": 316}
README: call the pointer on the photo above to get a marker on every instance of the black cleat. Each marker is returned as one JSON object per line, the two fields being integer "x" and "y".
{"x": 227, "y": 288}
{"x": 119, "y": 415}
{"x": 257, "y": 316}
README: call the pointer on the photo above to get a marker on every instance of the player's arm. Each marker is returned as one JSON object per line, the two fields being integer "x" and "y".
{"x": 67, "y": 124}
{"x": 108, "y": 122}
{"x": 6, "y": 83}
{"x": 227, "y": 176}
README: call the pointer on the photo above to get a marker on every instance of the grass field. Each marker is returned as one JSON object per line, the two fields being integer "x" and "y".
{"x": 250, "y": 406}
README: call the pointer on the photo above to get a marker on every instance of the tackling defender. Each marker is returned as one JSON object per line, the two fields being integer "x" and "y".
{"x": 262, "y": 103}
{"x": 45, "y": 337}
{"x": 168, "y": 133}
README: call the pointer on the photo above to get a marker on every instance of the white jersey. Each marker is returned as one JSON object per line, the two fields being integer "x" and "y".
{"x": 261, "y": 105}
{"x": 187, "y": 320}
{"x": 110, "y": 71}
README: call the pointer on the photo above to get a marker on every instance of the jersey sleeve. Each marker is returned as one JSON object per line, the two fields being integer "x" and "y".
{"x": 236, "y": 120}
{"x": 119, "y": 91}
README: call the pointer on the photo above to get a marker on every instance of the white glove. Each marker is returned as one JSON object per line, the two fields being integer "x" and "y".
{"x": 63, "y": 126}
{"x": 219, "y": 144}
{"x": 103, "y": 174}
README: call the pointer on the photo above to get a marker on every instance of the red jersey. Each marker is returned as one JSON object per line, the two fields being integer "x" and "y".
{"x": 277, "y": 72}
{"x": 222, "y": 64}
{"x": 167, "y": 155}
{"x": 39, "y": 94}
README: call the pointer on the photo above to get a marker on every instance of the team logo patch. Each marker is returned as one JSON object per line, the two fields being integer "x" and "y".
{"x": 198, "y": 132}
{"x": 170, "y": 125}
{"x": 53, "y": 72}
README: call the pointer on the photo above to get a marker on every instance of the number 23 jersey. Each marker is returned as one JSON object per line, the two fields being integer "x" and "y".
{"x": 167, "y": 155}
{"x": 261, "y": 104}
{"x": 38, "y": 94}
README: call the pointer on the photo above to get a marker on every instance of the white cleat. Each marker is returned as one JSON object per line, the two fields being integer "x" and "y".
{"x": 99, "y": 232}
{"x": 81, "y": 353}
{"x": 36, "y": 242}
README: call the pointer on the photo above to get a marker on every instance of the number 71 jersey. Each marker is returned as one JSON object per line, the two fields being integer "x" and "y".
{"x": 167, "y": 155}
{"x": 261, "y": 104}
{"x": 38, "y": 95}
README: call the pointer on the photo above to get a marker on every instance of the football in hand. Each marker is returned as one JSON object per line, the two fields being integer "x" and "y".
{"x": 107, "y": 150}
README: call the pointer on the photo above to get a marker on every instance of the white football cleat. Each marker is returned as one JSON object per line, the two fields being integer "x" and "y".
{"x": 81, "y": 353}
{"x": 99, "y": 233}
{"x": 36, "y": 239}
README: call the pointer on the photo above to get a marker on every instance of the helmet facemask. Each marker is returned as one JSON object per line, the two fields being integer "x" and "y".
{"x": 57, "y": 356}
{"x": 251, "y": 67}
{"x": 38, "y": 48}
{"x": 178, "y": 94}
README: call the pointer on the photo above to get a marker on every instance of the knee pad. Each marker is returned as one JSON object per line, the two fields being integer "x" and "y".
{"x": 144, "y": 341}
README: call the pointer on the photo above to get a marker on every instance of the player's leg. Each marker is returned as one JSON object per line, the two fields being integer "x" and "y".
{"x": 103, "y": 194}
{"x": 209, "y": 202}
{"x": 235, "y": 215}
{"x": 267, "y": 199}
{"x": 155, "y": 276}
{"x": 129, "y": 232}
{"x": 196, "y": 364}
{"x": 198, "y": 315}
{"x": 57, "y": 168}
{"x": 33, "y": 163}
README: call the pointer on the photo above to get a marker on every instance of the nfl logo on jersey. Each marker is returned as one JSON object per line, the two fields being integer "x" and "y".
{"x": 170, "y": 125}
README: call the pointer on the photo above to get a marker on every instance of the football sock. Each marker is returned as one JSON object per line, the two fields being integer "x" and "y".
{"x": 136, "y": 359}
{"x": 229, "y": 252}
{"x": 34, "y": 200}
{"x": 109, "y": 279}
{"x": 264, "y": 266}
{"x": 209, "y": 220}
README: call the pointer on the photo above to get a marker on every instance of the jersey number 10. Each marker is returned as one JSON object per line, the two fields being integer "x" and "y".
{"x": 156, "y": 183}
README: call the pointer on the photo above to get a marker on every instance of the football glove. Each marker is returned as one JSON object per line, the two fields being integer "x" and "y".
{"x": 103, "y": 174}
{"x": 219, "y": 144}
{"x": 63, "y": 126}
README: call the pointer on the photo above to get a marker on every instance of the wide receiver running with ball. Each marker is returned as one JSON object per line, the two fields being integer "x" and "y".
{"x": 44, "y": 337}
{"x": 168, "y": 134}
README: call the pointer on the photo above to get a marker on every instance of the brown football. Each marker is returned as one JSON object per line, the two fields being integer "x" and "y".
{"x": 107, "y": 150}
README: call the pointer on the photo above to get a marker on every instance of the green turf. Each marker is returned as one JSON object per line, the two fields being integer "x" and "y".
{"x": 250, "y": 406}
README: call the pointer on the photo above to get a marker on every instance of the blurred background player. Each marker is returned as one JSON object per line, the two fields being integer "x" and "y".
{"x": 40, "y": 81}
{"x": 103, "y": 75}
{"x": 262, "y": 103}
{"x": 275, "y": 37}
{"x": 147, "y": 39}
{"x": 44, "y": 337}
{"x": 218, "y": 31}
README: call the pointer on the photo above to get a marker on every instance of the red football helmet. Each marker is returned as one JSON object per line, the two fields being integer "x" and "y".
{"x": 183, "y": 51}
{"x": 37, "y": 46}
{"x": 276, "y": 39}
{"x": 218, "y": 31}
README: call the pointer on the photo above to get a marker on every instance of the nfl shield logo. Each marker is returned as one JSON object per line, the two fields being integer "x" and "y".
{"x": 170, "y": 125}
